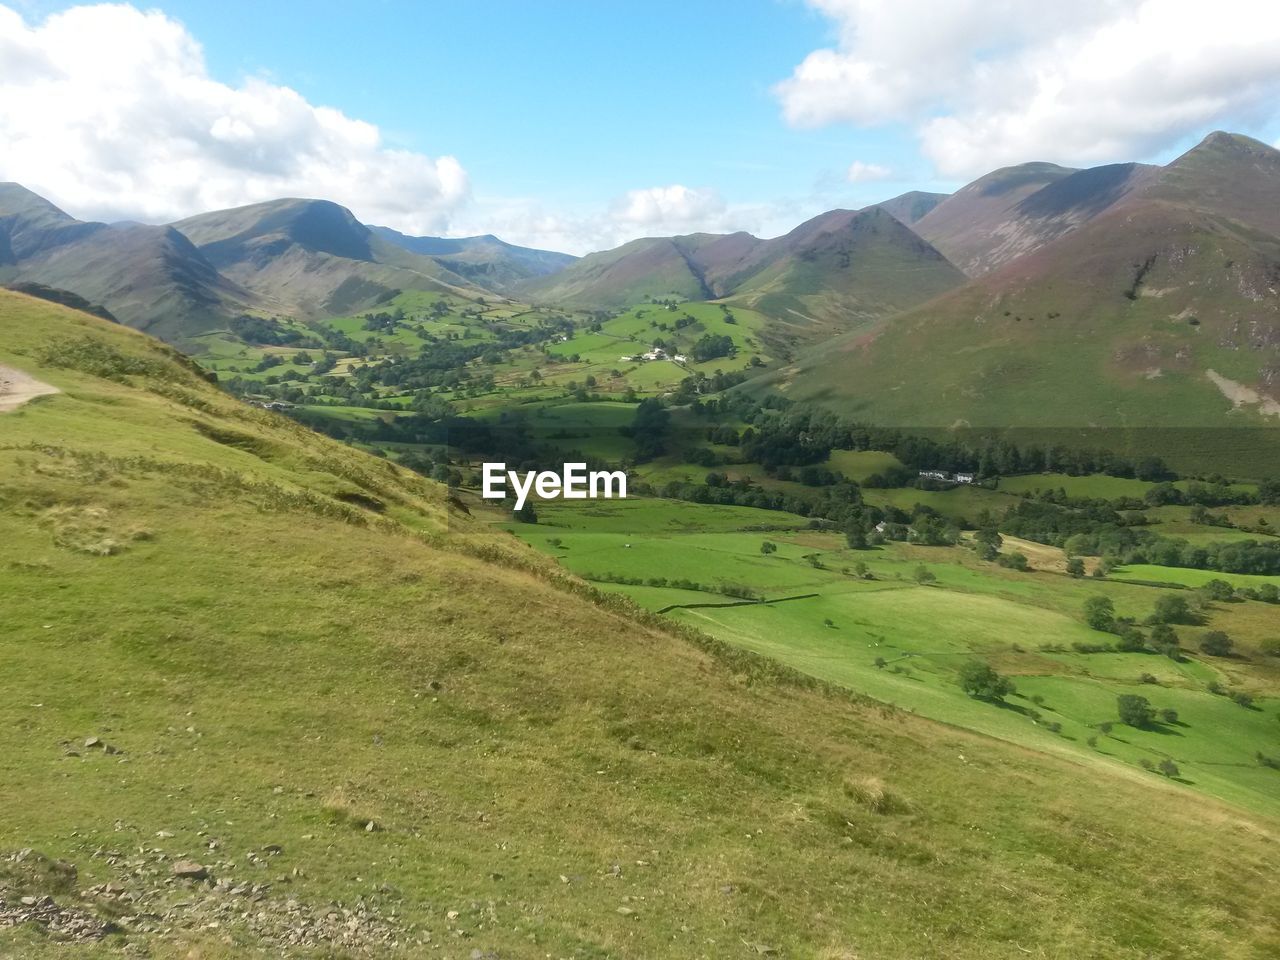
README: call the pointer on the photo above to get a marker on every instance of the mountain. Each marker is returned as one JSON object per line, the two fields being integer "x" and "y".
{"x": 149, "y": 277}
{"x": 1013, "y": 211}
{"x": 366, "y": 720}
{"x": 844, "y": 270}
{"x": 1158, "y": 313}
{"x": 484, "y": 260}
{"x": 911, "y": 206}
{"x": 312, "y": 256}
{"x": 840, "y": 269}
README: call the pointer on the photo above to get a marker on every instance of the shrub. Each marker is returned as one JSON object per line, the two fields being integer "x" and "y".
{"x": 1172, "y": 609}
{"x": 1134, "y": 710}
{"x": 1169, "y": 768}
{"x": 1169, "y": 715}
{"x": 1216, "y": 644}
{"x": 1100, "y": 613}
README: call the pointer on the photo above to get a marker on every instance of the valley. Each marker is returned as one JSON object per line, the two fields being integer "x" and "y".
{"x": 953, "y": 496}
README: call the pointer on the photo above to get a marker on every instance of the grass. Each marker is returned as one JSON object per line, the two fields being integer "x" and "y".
{"x": 1027, "y": 624}
{"x": 549, "y": 770}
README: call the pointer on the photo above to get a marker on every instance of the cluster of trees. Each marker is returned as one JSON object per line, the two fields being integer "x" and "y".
{"x": 1092, "y": 527}
{"x": 269, "y": 332}
{"x": 712, "y": 346}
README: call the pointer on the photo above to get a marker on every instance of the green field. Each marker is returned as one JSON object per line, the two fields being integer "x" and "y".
{"x": 1025, "y": 624}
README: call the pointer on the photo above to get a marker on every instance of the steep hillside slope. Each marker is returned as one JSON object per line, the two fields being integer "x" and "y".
{"x": 313, "y": 256}
{"x": 484, "y": 260}
{"x": 965, "y": 227}
{"x": 376, "y": 730}
{"x": 149, "y": 277}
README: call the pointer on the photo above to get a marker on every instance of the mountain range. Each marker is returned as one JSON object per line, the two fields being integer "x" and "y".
{"x": 303, "y": 258}
{"x": 1125, "y": 294}
{"x": 1120, "y": 296}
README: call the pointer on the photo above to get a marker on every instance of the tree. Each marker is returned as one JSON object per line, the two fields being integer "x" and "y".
{"x": 880, "y": 663}
{"x": 1100, "y": 613}
{"x": 981, "y": 682}
{"x": 768, "y": 547}
{"x": 1131, "y": 639}
{"x": 1216, "y": 644}
{"x": 1134, "y": 710}
{"x": 1172, "y": 608}
{"x": 924, "y": 575}
{"x": 1075, "y": 567}
{"x": 855, "y": 533}
{"x": 1169, "y": 768}
{"x": 1165, "y": 640}
{"x": 527, "y": 514}
{"x": 1169, "y": 715}
{"x": 1218, "y": 590}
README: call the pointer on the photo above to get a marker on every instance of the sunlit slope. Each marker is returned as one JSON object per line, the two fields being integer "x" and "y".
{"x": 343, "y": 703}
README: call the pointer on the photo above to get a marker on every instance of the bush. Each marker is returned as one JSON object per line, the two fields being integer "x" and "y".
{"x": 1134, "y": 710}
{"x": 1218, "y": 590}
{"x": 1172, "y": 609}
{"x": 1216, "y": 644}
{"x": 1014, "y": 561}
{"x": 1100, "y": 613}
{"x": 1169, "y": 768}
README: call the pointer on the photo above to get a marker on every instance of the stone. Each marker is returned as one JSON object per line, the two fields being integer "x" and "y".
{"x": 92, "y": 742}
{"x": 189, "y": 870}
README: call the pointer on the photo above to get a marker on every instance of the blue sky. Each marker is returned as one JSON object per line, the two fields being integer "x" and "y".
{"x": 571, "y": 101}
{"x": 577, "y": 125}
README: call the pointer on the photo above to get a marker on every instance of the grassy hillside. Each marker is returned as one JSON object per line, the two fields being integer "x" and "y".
{"x": 1151, "y": 319}
{"x": 869, "y": 267}
{"x": 382, "y": 733}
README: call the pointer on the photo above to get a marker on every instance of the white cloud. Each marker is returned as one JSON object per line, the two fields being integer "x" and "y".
{"x": 675, "y": 208}
{"x": 650, "y": 212}
{"x": 111, "y": 112}
{"x": 860, "y": 172}
{"x": 992, "y": 82}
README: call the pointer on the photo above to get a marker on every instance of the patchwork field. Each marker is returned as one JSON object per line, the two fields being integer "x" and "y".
{"x": 897, "y": 623}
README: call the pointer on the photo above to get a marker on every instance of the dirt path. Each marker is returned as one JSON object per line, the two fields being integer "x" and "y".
{"x": 16, "y": 388}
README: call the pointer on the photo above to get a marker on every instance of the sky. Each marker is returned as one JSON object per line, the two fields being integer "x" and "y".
{"x": 576, "y": 125}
